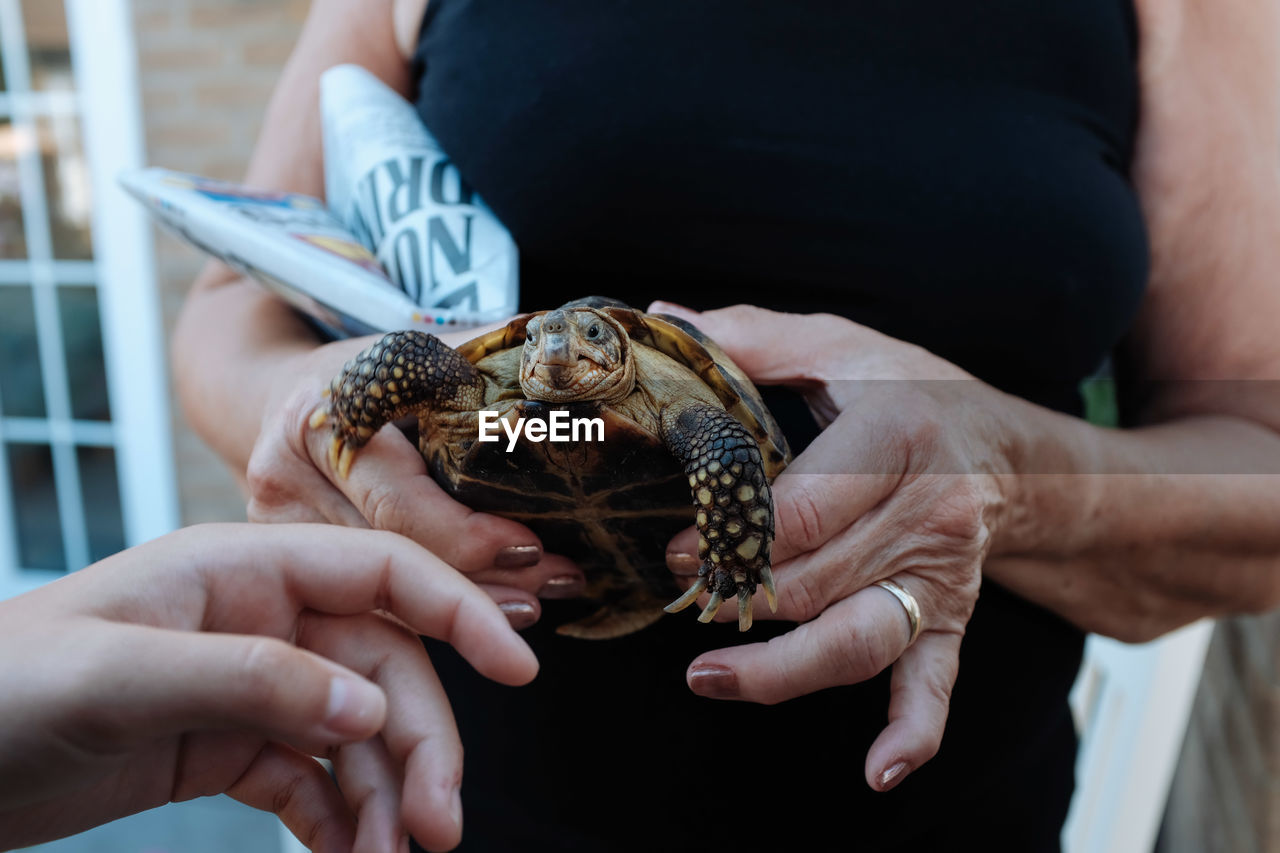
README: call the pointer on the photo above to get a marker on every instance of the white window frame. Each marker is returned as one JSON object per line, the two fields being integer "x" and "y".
{"x": 108, "y": 100}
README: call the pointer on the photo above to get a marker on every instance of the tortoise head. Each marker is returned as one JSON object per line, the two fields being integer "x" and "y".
{"x": 576, "y": 354}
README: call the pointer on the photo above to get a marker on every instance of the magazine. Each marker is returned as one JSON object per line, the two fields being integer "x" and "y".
{"x": 404, "y": 242}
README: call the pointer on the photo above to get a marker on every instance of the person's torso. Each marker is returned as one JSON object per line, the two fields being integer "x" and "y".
{"x": 953, "y": 174}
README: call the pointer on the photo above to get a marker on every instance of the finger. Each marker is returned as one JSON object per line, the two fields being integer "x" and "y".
{"x": 914, "y": 531}
{"x": 825, "y": 489}
{"x": 343, "y": 571}
{"x": 805, "y": 342}
{"x": 155, "y": 682}
{"x": 370, "y": 783}
{"x": 807, "y": 349}
{"x": 420, "y": 733}
{"x": 284, "y": 484}
{"x": 921, "y": 698}
{"x": 850, "y": 642}
{"x": 389, "y": 486}
{"x": 322, "y": 504}
{"x": 554, "y": 576}
{"x": 809, "y": 510}
{"x": 521, "y": 609}
{"x": 462, "y": 336}
{"x": 832, "y": 484}
{"x": 814, "y": 532}
{"x": 297, "y": 789}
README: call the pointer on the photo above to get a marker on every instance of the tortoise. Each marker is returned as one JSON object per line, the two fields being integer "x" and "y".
{"x": 678, "y": 417}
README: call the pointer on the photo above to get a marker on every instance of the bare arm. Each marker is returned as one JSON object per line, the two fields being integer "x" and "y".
{"x": 1185, "y": 525}
{"x": 235, "y": 343}
{"x": 250, "y": 372}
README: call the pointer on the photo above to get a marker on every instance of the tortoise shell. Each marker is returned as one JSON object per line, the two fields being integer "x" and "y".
{"x": 611, "y": 505}
{"x": 679, "y": 340}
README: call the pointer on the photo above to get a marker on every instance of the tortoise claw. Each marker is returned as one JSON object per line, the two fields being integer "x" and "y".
{"x": 745, "y": 593}
{"x": 319, "y": 417}
{"x": 744, "y": 611}
{"x": 713, "y": 605}
{"x": 770, "y": 591}
{"x": 689, "y": 597}
{"x": 345, "y": 459}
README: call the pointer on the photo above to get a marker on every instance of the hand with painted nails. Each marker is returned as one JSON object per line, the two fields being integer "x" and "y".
{"x": 901, "y": 487}
{"x": 292, "y": 477}
{"x": 219, "y": 659}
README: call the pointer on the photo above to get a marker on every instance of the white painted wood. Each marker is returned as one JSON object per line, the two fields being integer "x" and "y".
{"x": 40, "y": 431}
{"x": 17, "y": 77}
{"x": 35, "y": 219}
{"x": 106, "y": 77}
{"x": 1131, "y": 704}
{"x": 108, "y": 101}
{"x": 59, "y": 272}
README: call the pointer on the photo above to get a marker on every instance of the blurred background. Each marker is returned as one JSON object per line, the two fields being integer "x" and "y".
{"x": 94, "y": 457}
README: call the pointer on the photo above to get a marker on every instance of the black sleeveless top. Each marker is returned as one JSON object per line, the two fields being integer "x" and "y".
{"x": 952, "y": 174}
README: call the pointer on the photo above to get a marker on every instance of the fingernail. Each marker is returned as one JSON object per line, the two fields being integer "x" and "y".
{"x": 564, "y": 586}
{"x": 521, "y": 614}
{"x": 683, "y": 564}
{"x": 518, "y": 557}
{"x": 892, "y": 776}
{"x": 714, "y": 681}
{"x": 354, "y": 706}
{"x": 455, "y": 808}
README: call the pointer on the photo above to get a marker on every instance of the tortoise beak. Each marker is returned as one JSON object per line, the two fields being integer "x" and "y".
{"x": 556, "y": 352}
{"x": 554, "y": 349}
{"x": 556, "y": 375}
{"x": 555, "y": 360}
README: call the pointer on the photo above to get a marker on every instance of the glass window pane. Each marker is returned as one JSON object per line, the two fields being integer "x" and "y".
{"x": 50, "y": 49}
{"x": 82, "y": 340}
{"x": 101, "y": 488}
{"x": 21, "y": 385}
{"x": 35, "y": 507}
{"x": 67, "y": 187}
{"x": 13, "y": 238}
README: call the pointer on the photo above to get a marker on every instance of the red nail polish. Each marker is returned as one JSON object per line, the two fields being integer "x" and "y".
{"x": 518, "y": 557}
{"x": 520, "y": 614}
{"x": 714, "y": 681}
{"x": 683, "y": 564}
{"x": 564, "y": 586}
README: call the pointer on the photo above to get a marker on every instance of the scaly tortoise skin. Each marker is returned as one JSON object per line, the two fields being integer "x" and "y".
{"x": 679, "y": 416}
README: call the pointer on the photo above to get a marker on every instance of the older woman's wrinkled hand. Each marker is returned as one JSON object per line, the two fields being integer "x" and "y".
{"x": 902, "y": 487}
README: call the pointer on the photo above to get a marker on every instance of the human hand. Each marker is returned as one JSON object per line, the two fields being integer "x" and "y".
{"x": 218, "y": 659}
{"x": 291, "y": 478}
{"x": 901, "y": 485}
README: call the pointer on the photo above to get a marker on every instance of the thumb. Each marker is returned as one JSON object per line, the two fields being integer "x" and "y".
{"x": 164, "y": 682}
{"x": 772, "y": 347}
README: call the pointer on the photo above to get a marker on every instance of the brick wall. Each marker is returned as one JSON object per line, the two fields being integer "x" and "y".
{"x": 1226, "y": 792}
{"x": 207, "y": 69}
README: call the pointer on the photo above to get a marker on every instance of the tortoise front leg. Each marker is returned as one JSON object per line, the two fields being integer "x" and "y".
{"x": 734, "y": 508}
{"x": 403, "y": 373}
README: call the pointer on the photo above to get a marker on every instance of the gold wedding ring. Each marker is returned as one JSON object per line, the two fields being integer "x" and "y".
{"x": 909, "y": 604}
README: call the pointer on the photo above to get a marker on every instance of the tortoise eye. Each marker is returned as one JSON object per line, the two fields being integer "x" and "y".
{"x": 593, "y": 332}
{"x": 531, "y": 336}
